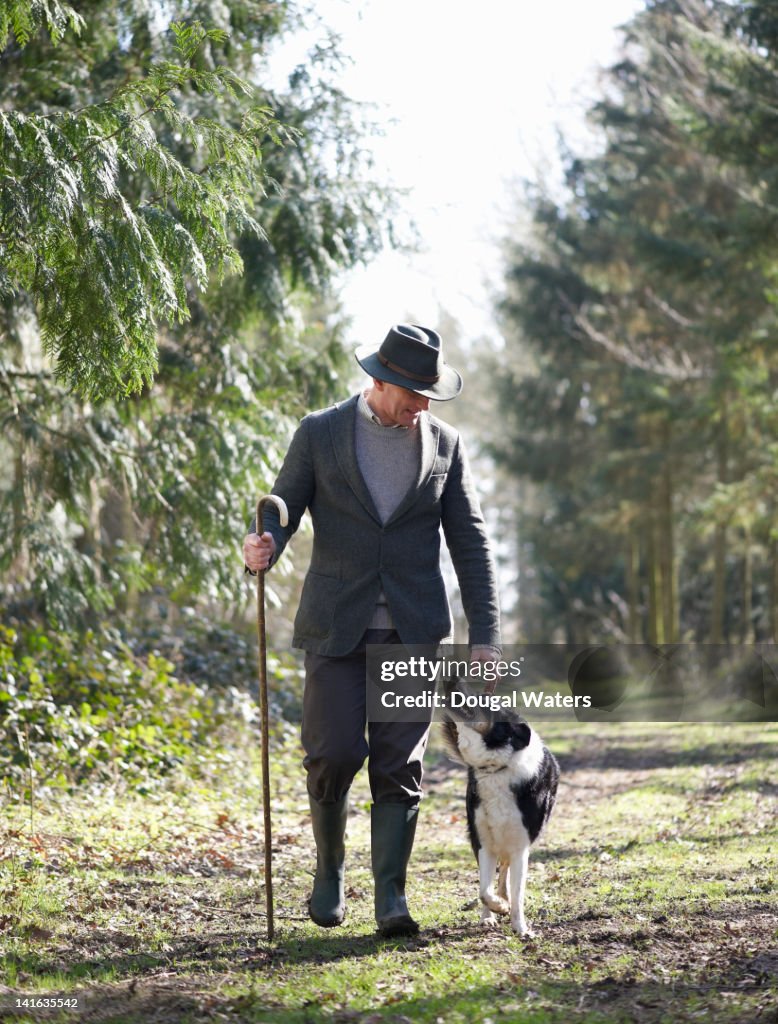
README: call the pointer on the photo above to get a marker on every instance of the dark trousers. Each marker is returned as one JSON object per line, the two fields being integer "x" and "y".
{"x": 333, "y": 732}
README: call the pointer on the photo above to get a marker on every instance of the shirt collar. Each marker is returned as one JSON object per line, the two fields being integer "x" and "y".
{"x": 367, "y": 412}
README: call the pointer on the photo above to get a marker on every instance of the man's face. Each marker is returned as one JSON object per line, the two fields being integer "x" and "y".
{"x": 397, "y": 406}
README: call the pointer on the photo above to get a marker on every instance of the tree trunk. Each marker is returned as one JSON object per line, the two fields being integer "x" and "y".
{"x": 633, "y": 586}
{"x": 92, "y": 541}
{"x": 772, "y": 618}
{"x": 130, "y": 534}
{"x": 20, "y": 553}
{"x": 666, "y": 538}
{"x": 748, "y": 589}
{"x": 654, "y": 568}
{"x": 117, "y": 527}
{"x": 719, "y": 585}
{"x": 720, "y": 537}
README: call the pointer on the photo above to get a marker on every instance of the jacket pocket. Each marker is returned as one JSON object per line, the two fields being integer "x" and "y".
{"x": 316, "y": 612}
{"x": 436, "y": 484}
{"x": 432, "y": 605}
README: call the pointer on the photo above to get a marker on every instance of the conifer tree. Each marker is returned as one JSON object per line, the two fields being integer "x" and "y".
{"x": 645, "y": 299}
{"x": 171, "y": 314}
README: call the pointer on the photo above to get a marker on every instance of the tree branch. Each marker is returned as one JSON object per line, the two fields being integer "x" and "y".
{"x": 666, "y": 368}
{"x": 667, "y": 309}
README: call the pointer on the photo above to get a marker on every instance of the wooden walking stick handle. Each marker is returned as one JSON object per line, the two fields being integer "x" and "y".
{"x": 283, "y": 515}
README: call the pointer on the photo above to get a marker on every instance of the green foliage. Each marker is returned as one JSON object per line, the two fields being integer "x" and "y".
{"x": 21, "y": 18}
{"x": 644, "y": 302}
{"x": 220, "y": 658}
{"x": 86, "y": 708}
{"x": 106, "y": 227}
{"x": 151, "y": 164}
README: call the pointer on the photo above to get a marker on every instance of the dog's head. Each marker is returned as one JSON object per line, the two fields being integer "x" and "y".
{"x": 488, "y": 742}
{"x": 479, "y": 734}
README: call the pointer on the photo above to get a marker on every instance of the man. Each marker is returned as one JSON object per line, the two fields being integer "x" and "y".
{"x": 379, "y": 476}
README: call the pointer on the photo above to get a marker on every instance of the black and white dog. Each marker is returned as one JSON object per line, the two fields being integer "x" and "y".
{"x": 511, "y": 789}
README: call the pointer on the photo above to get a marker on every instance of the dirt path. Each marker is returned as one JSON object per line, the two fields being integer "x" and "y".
{"x": 653, "y": 893}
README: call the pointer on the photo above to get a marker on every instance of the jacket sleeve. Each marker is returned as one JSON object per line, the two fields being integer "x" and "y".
{"x": 296, "y": 485}
{"x": 467, "y": 540}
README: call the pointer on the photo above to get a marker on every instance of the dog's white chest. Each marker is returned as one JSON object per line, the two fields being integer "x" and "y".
{"x": 498, "y": 819}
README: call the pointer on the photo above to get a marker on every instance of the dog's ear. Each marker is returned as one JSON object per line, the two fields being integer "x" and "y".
{"x": 500, "y": 734}
{"x": 451, "y": 738}
{"x": 522, "y": 734}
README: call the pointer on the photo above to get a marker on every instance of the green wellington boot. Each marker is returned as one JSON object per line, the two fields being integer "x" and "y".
{"x": 327, "y": 905}
{"x": 392, "y": 827}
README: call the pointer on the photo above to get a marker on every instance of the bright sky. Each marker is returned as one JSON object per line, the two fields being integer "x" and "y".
{"x": 472, "y": 97}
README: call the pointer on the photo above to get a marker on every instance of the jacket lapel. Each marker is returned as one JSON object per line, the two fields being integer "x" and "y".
{"x": 342, "y": 430}
{"x": 430, "y": 435}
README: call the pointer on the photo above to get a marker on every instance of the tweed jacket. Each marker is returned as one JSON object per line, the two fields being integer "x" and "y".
{"x": 355, "y": 554}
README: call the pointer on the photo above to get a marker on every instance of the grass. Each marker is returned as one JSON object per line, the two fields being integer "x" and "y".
{"x": 653, "y": 894}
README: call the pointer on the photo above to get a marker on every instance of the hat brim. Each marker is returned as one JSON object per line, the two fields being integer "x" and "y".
{"x": 444, "y": 389}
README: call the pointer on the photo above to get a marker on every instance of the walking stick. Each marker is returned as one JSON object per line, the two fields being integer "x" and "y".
{"x": 283, "y": 515}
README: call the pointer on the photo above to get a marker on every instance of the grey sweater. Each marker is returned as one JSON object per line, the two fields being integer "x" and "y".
{"x": 388, "y": 459}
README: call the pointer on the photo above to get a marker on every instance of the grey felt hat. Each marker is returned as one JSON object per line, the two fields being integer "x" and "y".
{"x": 411, "y": 357}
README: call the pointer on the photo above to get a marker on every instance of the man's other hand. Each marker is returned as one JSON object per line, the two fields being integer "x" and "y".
{"x": 258, "y": 551}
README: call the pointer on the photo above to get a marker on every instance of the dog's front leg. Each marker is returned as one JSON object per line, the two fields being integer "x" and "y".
{"x": 502, "y": 880}
{"x": 489, "y": 919}
{"x": 487, "y": 865}
{"x": 519, "y": 866}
